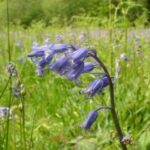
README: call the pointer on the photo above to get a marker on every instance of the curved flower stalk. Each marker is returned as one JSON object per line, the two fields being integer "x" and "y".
{"x": 71, "y": 62}
{"x": 112, "y": 101}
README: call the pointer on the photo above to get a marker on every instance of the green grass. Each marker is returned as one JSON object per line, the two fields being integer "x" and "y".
{"x": 54, "y": 109}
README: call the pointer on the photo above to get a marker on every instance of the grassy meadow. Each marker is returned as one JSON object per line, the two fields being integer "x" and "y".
{"x": 49, "y": 113}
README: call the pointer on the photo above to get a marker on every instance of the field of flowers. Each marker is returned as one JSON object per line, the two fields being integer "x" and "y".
{"x": 43, "y": 110}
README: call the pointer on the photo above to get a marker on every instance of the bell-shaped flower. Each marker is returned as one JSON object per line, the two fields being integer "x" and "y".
{"x": 96, "y": 86}
{"x": 75, "y": 72}
{"x": 79, "y": 55}
{"x": 60, "y": 64}
{"x": 36, "y": 54}
{"x": 90, "y": 119}
{"x": 58, "y": 48}
{"x": 40, "y": 71}
{"x": 4, "y": 111}
{"x": 88, "y": 66}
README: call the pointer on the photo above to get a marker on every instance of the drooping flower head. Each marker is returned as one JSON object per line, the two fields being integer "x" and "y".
{"x": 90, "y": 119}
{"x": 96, "y": 86}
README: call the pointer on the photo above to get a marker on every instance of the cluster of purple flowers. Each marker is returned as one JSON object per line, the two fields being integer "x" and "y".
{"x": 71, "y": 62}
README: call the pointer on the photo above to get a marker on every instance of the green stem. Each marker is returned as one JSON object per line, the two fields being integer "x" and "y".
{"x": 23, "y": 121}
{"x": 112, "y": 101}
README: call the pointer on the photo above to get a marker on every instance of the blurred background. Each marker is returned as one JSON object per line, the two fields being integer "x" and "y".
{"x": 69, "y": 12}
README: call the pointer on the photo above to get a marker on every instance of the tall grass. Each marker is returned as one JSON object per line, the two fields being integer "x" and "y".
{"x": 48, "y": 111}
{"x": 52, "y": 110}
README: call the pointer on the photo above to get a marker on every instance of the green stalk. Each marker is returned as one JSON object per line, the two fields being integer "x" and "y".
{"x": 112, "y": 102}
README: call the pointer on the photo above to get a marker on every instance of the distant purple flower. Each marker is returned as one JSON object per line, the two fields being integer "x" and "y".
{"x": 96, "y": 86}
{"x": 75, "y": 72}
{"x": 10, "y": 68}
{"x": 59, "y": 38}
{"x": 4, "y": 111}
{"x": 88, "y": 66}
{"x": 90, "y": 119}
{"x": 79, "y": 55}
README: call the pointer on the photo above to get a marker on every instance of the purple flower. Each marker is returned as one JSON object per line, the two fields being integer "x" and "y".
{"x": 60, "y": 65}
{"x": 45, "y": 61}
{"x": 79, "y": 55}
{"x": 90, "y": 119}
{"x": 75, "y": 71}
{"x": 36, "y": 54}
{"x": 96, "y": 86}
{"x": 88, "y": 66}
{"x": 40, "y": 71}
{"x": 49, "y": 58}
{"x": 3, "y": 111}
{"x": 59, "y": 38}
{"x": 58, "y": 48}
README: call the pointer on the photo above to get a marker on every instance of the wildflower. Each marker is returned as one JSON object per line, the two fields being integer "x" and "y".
{"x": 90, "y": 119}
{"x": 49, "y": 57}
{"x": 18, "y": 89}
{"x": 36, "y": 54}
{"x": 60, "y": 64}
{"x": 59, "y": 38}
{"x": 14, "y": 73}
{"x": 96, "y": 86}
{"x": 40, "y": 71}
{"x": 79, "y": 55}
{"x": 75, "y": 72}
{"x": 4, "y": 111}
{"x": 88, "y": 66}
{"x": 11, "y": 69}
{"x": 58, "y": 48}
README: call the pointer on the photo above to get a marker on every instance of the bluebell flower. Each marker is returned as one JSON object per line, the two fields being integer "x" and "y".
{"x": 35, "y": 46}
{"x": 90, "y": 119}
{"x": 36, "y": 54}
{"x": 40, "y": 71}
{"x": 4, "y": 111}
{"x": 49, "y": 57}
{"x": 96, "y": 86}
{"x": 59, "y": 38}
{"x": 60, "y": 64}
{"x": 42, "y": 63}
{"x": 79, "y": 55}
{"x": 75, "y": 72}
{"x": 58, "y": 48}
{"x": 88, "y": 66}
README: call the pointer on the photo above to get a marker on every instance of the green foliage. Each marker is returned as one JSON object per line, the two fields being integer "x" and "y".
{"x": 54, "y": 109}
{"x": 62, "y": 12}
